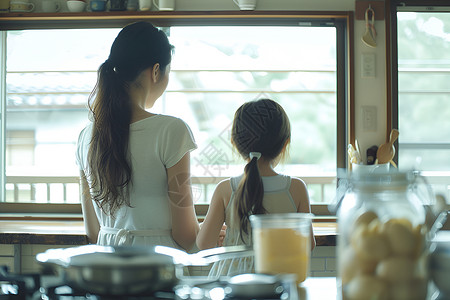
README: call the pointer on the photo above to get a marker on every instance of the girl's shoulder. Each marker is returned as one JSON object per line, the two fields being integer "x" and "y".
{"x": 298, "y": 182}
{"x": 299, "y": 193}
{"x": 298, "y": 186}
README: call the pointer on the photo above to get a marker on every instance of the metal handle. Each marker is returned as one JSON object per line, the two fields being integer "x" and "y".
{"x": 205, "y": 257}
{"x": 438, "y": 224}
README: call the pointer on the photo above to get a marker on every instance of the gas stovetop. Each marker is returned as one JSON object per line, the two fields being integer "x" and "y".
{"x": 39, "y": 286}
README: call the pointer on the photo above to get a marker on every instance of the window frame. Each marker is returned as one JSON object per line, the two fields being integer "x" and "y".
{"x": 342, "y": 20}
{"x": 392, "y": 90}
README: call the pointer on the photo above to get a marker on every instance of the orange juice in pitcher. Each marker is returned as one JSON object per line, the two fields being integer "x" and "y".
{"x": 282, "y": 244}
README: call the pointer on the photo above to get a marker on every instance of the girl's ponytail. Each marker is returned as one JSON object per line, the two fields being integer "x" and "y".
{"x": 249, "y": 196}
{"x": 261, "y": 126}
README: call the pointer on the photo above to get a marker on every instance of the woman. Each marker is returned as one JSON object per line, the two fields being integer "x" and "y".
{"x": 135, "y": 174}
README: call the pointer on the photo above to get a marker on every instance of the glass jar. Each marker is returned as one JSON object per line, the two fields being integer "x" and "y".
{"x": 282, "y": 243}
{"x": 382, "y": 250}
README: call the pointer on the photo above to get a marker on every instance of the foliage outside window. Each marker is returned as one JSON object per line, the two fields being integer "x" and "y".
{"x": 424, "y": 93}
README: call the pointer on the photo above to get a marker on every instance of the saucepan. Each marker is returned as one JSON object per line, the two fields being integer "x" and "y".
{"x": 124, "y": 270}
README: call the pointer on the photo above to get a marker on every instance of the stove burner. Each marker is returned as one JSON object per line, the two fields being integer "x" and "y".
{"x": 51, "y": 287}
{"x": 17, "y": 286}
{"x": 64, "y": 292}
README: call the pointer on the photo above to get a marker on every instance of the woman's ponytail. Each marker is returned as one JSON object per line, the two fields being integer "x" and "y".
{"x": 111, "y": 110}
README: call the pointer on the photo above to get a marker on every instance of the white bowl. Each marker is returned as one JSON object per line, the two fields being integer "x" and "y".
{"x": 76, "y": 5}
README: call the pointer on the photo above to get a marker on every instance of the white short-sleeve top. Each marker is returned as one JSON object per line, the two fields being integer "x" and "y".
{"x": 156, "y": 143}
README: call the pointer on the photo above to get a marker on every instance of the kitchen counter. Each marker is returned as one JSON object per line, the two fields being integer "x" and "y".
{"x": 325, "y": 288}
{"x": 71, "y": 232}
{"x": 318, "y": 288}
{"x": 22, "y": 237}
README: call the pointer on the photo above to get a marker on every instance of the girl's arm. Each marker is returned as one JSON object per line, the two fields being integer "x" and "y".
{"x": 184, "y": 220}
{"x": 300, "y": 195}
{"x": 91, "y": 224}
{"x": 211, "y": 228}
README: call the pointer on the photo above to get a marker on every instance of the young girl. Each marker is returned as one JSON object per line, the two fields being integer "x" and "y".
{"x": 261, "y": 134}
{"x": 134, "y": 165}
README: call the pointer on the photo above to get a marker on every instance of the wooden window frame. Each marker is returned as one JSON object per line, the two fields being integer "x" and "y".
{"x": 392, "y": 57}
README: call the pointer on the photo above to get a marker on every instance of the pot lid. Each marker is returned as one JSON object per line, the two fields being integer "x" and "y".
{"x": 108, "y": 256}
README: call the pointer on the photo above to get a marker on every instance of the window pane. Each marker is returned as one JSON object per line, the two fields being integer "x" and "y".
{"x": 50, "y": 73}
{"x": 214, "y": 70}
{"x": 424, "y": 93}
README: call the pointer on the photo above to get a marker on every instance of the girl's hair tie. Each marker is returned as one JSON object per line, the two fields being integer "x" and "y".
{"x": 255, "y": 154}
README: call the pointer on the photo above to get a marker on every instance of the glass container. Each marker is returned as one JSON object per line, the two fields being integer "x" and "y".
{"x": 282, "y": 243}
{"x": 382, "y": 250}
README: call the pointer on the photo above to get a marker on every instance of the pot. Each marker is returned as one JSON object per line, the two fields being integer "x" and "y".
{"x": 121, "y": 270}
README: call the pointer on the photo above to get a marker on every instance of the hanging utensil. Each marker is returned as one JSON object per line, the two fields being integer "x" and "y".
{"x": 386, "y": 151}
{"x": 370, "y": 34}
{"x": 358, "y": 152}
{"x": 352, "y": 156}
{"x": 371, "y": 155}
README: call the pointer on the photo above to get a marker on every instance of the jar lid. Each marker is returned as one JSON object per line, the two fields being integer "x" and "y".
{"x": 281, "y": 220}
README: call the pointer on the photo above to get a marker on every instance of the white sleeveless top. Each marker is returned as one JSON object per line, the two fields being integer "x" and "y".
{"x": 277, "y": 199}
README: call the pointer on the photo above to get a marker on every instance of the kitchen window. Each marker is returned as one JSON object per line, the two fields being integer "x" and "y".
{"x": 214, "y": 70}
{"x": 421, "y": 93}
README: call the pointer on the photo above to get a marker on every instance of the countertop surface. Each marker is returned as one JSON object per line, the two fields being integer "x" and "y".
{"x": 71, "y": 232}
{"x": 325, "y": 288}
{"x": 318, "y": 288}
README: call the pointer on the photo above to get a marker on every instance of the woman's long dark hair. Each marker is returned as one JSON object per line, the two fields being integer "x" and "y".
{"x": 258, "y": 126}
{"x": 137, "y": 47}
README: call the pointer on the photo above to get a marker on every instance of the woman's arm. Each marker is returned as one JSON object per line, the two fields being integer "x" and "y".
{"x": 300, "y": 194}
{"x": 91, "y": 224}
{"x": 184, "y": 221}
{"x": 211, "y": 228}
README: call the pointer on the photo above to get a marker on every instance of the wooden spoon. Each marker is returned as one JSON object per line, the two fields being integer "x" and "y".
{"x": 386, "y": 151}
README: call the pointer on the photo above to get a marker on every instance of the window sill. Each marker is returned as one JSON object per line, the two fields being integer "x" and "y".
{"x": 32, "y": 230}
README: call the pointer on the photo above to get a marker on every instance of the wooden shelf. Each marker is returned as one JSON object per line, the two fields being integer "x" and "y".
{"x": 16, "y": 21}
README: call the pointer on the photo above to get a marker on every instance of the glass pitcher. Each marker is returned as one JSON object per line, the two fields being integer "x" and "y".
{"x": 382, "y": 249}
